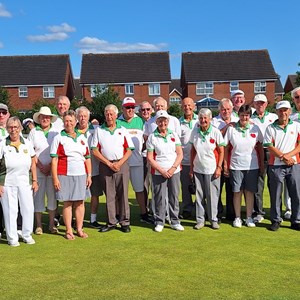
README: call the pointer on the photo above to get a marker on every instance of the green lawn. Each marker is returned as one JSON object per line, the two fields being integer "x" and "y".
{"x": 231, "y": 263}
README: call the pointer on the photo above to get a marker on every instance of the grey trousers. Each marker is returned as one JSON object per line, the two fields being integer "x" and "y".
{"x": 187, "y": 201}
{"x": 115, "y": 186}
{"x": 163, "y": 187}
{"x": 207, "y": 188}
{"x": 277, "y": 175}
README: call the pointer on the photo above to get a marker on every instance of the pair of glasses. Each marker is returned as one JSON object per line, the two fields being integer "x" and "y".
{"x": 130, "y": 107}
{"x": 145, "y": 109}
{"x": 297, "y": 97}
{"x": 4, "y": 112}
{"x": 13, "y": 127}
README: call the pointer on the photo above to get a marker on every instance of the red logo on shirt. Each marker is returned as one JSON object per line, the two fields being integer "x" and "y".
{"x": 172, "y": 139}
{"x": 120, "y": 133}
{"x": 212, "y": 140}
{"x": 253, "y": 135}
{"x": 292, "y": 132}
{"x": 82, "y": 143}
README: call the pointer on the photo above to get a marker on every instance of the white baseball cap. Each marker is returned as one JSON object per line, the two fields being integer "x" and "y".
{"x": 260, "y": 97}
{"x": 128, "y": 101}
{"x": 162, "y": 114}
{"x": 236, "y": 92}
{"x": 283, "y": 104}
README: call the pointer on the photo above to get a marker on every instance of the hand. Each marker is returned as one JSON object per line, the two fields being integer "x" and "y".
{"x": 35, "y": 186}
{"x": 218, "y": 172}
{"x": 56, "y": 184}
{"x": 226, "y": 172}
{"x": 88, "y": 181}
{"x": 1, "y": 190}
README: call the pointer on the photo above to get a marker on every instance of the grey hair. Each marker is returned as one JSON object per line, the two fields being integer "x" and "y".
{"x": 111, "y": 106}
{"x": 160, "y": 98}
{"x": 70, "y": 113}
{"x": 205, "y": 112}
{"x": 80, "y": 109}
{"x": 293, "y": 92}
{"x": 225, "y": 100}
{"x": 14, "y": 119}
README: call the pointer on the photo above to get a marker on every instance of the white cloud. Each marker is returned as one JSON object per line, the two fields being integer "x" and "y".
{"x": 63, "y": 27}
{"x": 48, "y": 37}
{"x": 1, "y": 45}
{"x": 57, "y": 33}
{"x": 4, "y": 12}
{"x": 95, "y": 45}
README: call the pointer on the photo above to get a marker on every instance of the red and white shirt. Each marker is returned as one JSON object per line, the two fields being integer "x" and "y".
{"x": 71, "y": 153}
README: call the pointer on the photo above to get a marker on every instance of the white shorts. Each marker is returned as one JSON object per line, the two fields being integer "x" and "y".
{"x": 137, "y": 178}
{"x": 46, "y": 188}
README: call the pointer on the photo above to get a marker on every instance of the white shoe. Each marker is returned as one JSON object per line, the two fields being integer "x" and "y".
{"x": 258, "y": 219}
{"x": 16, "y": 244}
{"x": 178, "y": 227}
{"x": 199, "y": 226}
{"x": 29, "y": 241}
{"x": 250, "y": 222}
{"x": 237, "y": 223}
{"x": 0, "y": 235}
{"x": 287, "y": 215}
{"x": 19, "y": 232}
{"x": 158, "y": 228}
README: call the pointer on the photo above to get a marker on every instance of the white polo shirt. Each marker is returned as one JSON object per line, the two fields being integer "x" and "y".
{"x": 15, "y": 163}
{"x": 136, "y": 130}
{"x": 58, "y": 124}
{"x": 265, "y": 121}
{"x": 186, "y": 129}
{"x": 295, "y": 116}
{"x": 71, "y": 153}
{"x": 151, "y": 125}
{"x": 164, "y": 148}
{"x": 112, "y": 144}
{"x": 219, "y": 123}
{"x": 284, "y": 140}
{"x": 205, "y": 144}
{"x": 243, "y": 154}
{"x": 41, "y": 142}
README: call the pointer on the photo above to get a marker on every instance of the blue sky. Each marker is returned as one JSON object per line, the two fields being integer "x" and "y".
{"x": 94, "y": 26}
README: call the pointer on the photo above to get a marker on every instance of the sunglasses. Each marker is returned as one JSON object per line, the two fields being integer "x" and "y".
{"x": 145, "y": 109}
{"x": 3, "y": 112}
{"x": 129, "y": 107}
{"x": 297, "y": 97}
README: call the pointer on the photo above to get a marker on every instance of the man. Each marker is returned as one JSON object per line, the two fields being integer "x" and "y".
{"x": 112, "y": 146}
{"x": 262, "y": 119}
{"x": 238, "y": 99}
{"x": 283, "y": 141}
{"x": 295, "y": 93}
{"x": 187, "y": 123}
{"x": 62, "y": 105}
{"x": 160, "y": 103}
{"x": 135, "y": 126}
{"x": 225, "y": 119}
{"x": 4, "y": 116}
{"x": 145, "y": 111}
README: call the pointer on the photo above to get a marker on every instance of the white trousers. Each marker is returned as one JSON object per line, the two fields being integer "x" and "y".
{"x": 10, "y": 198}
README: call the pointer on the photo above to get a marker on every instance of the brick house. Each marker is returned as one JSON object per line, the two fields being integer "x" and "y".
{"x": 290, "y": 83}
{"x": 175, "y": 95}
{"x": 34, "y": 77}
{"x": 216, "y": 74}
{"x": 141, "y": 75}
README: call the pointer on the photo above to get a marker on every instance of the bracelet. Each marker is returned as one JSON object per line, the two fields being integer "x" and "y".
{"x": 89, "y": 175}
{"x": 34, "y": 180}
{"x": 219, "y": 167}
{"x": 174, "y": 167}
{"x": 281, "y": 157}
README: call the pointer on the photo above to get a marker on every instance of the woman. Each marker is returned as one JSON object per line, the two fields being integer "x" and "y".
{"x": 71, "y": 173}
{"x": 164, "y": 154}
{"x": 41, "y": 138}
{"x": 243, "y": 162}
{"x": 207, "y": 153}
{"x": 17, "y": 182}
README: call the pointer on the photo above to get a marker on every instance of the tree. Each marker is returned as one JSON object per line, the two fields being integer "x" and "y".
{"x": 101, "y": 99}
{"x": 175, "y": 110}
{"x": 298, "y": 77}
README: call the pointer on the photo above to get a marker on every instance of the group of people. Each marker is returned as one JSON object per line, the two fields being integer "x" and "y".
{"x": 67, "y": 158}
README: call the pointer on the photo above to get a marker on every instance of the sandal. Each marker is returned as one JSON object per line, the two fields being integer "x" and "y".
{"x": 38, "y": 231}
{"x": 53, "y": 230}
{"x": 82, "y": 234}
{"x": 69, "y": 236}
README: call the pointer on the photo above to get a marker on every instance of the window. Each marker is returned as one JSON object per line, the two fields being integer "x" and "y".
{"x": 260, "y": 87}
{"x": 174, "y": 100}
{"x": 129, "y": 89}
{"x": 98, "y": 89}
{"x": 154, "y": 89}
{"x": 48, "y": 92}
{"x": 234, "y": 85}
{"x": 204, "y": 88}
{"x": 23, "y": 91}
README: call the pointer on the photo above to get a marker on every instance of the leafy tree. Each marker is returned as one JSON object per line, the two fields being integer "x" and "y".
{"x": 298, "y": 77}
{"x": 101, "y": 99}
{"x": 175, "y": 110}
{"x": 42, "y": 102}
